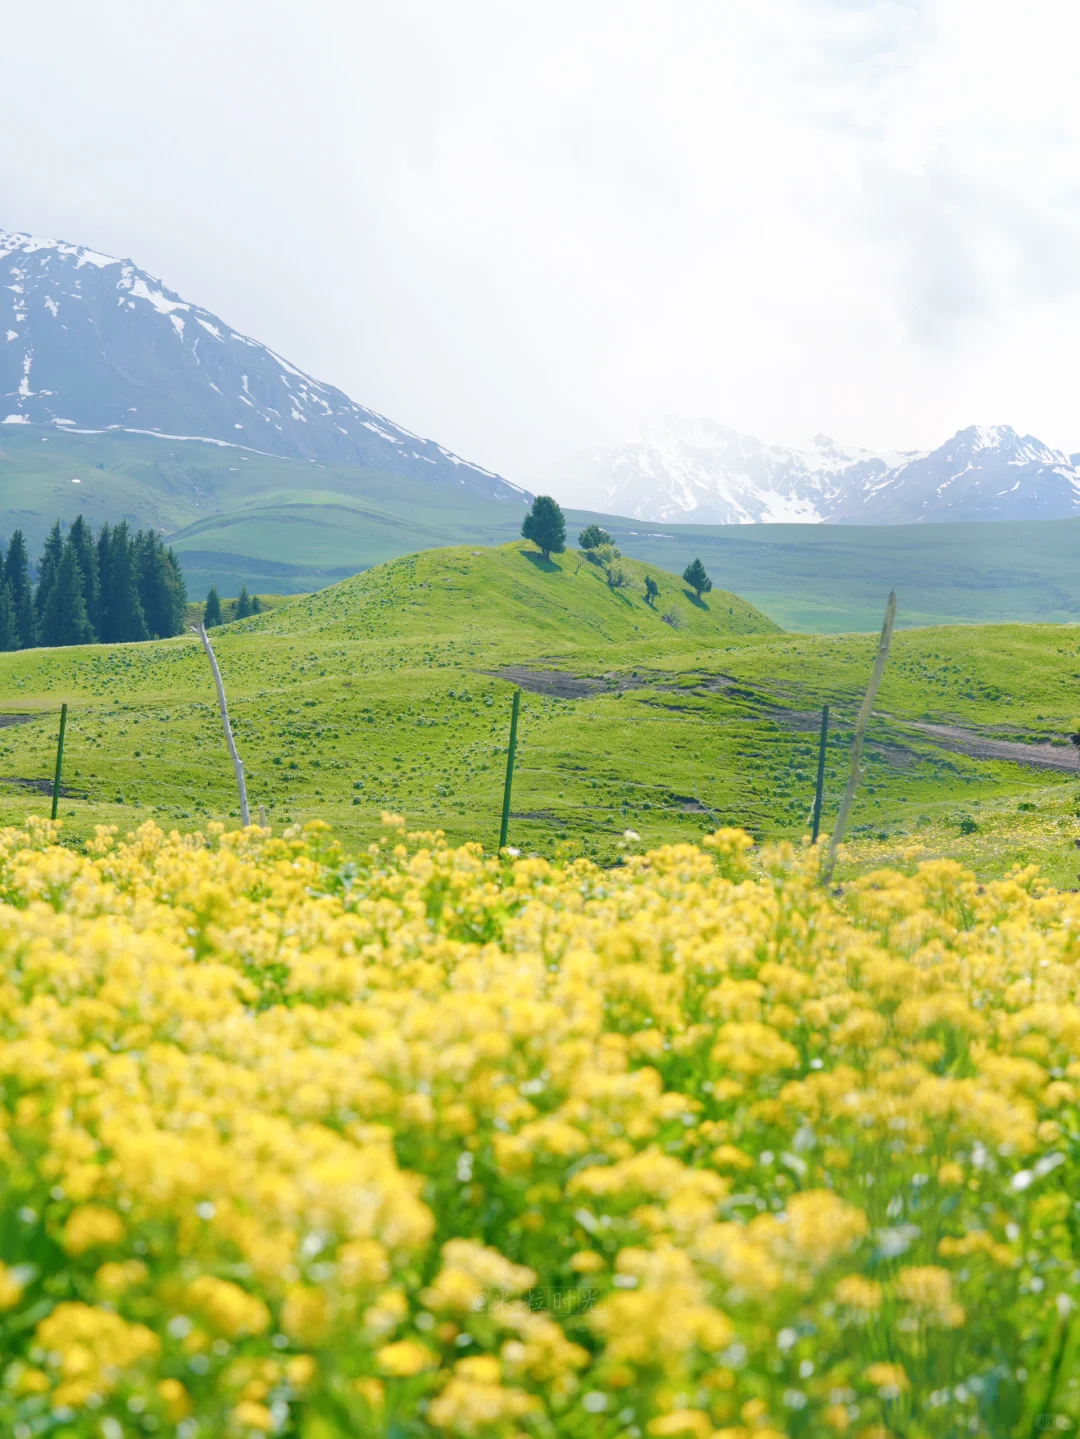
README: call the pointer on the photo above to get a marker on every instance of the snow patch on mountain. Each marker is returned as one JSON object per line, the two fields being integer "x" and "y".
{"x": 96, "y": 342}
{"x": 696, "y": 471}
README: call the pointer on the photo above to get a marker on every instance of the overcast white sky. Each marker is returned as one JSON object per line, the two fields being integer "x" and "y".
{"x": 524, "y": 226}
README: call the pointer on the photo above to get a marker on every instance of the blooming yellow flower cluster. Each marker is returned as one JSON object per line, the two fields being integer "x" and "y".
{"x": 427, "y": 1142}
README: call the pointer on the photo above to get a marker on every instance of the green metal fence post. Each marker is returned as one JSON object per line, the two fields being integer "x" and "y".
{"x": 504, "y": 828}
{"x": 819, "y": 792}
{"x": 59, "y": 760}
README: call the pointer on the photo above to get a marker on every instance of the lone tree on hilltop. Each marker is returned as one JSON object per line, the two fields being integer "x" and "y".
{"x": 212, "y": 608}
{"x": 697, "y": 579}
{"x": 592, "y": 537}
{"x": 652, "y": 590}
{"x": 545, "y": 526}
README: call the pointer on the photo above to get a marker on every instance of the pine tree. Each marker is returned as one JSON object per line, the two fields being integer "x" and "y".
{"x": 104, "y": 619}
{"x": 212, "y": 609}
{"x": 162, "y": 592}
{"x": 697, "y": 579}
{"x": 9, "y": 630}
{"x": 47, "y": 568}
{"x": 64, "y": 620}
{"x": 122, "y": 612}
{"x": 545, "y": 526}
{"x": 17, "y": 580}
{"x": 242, "y": 608}
{"x": 81, "y": 539}
{"x": 256, "y": 605}
{"x": 178, "y": 595}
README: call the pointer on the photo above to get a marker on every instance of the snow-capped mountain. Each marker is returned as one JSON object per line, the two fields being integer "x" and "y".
{"x": 699, "y": 472}
{"x": 89, "y": 342}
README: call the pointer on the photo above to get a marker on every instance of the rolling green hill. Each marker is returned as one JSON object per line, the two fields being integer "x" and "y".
{"x": 391, "y": 691}
{"x": 286, "y": 526}
{"x": 832, "y": 578}
{"x": 234, "y": 517}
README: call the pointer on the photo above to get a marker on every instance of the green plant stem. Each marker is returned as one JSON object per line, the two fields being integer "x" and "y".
{"x": 1063, "y": 1330}
{"x": 505, "y": 826}
{"x": 59, "y": 760}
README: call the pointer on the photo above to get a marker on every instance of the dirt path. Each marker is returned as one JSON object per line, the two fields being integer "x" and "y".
{"x": 965, "y": 741}
{"x": 1038, "y": 755}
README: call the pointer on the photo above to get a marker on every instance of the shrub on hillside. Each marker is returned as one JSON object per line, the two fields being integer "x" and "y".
{"x": 697, "y": 579}
{"x": 592, "y": 537}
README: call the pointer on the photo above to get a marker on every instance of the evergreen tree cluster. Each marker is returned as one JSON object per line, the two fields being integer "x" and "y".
{"x": 117, "y": 586}
{"x": 241, "y": 607}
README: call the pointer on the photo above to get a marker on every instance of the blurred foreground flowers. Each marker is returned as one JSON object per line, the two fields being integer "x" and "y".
{"x": 423, "y": 1142}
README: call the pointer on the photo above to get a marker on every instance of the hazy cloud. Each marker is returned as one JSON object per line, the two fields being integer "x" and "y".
{"x": 523, "y": 227}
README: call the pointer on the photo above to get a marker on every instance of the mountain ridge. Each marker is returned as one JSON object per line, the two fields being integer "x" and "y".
{"x": 91, "y": 343}
{"x": 701, "y": 472}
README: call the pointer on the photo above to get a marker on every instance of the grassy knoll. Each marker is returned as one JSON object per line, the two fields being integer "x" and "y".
{"x": 287, "y": 526}
{"x": 386, "y": 692}
{"x": 834, "y": 578}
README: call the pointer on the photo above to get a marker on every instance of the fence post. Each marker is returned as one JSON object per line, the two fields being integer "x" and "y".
{"x": 820, "y": 791}
{"x": 860, "y": 730}
{"x": 59, "y": 760}
{"x": 238, "y": 764}
{"x": 504, "y": 828}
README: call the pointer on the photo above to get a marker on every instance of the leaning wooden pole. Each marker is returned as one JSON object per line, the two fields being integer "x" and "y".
{"x": 504, "y": 828}
{"x": 59, "y": 761}
{"x": 819, "y": 792}
{"x": 238, "y": 764}
{"x": 860, "y": 731}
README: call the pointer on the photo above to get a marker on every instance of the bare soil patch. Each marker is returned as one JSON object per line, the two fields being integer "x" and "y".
{"x": 41, "y": 786}
{"x": 1038, "y": 755}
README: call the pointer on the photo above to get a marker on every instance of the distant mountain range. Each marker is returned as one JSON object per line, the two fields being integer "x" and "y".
{"x": 700, "y": 472}
{"x": 93, "y": 343}
{"x": 90, "y": 344}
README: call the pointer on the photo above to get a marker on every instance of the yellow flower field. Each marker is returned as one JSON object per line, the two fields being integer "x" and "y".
{"x": 423, "y": 1142}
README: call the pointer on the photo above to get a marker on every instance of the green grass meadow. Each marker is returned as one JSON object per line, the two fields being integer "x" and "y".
{"x": 385, "y": 692}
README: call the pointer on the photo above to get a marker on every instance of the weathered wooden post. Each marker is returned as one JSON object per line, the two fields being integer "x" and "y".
{"x": 238, "y": 764}
{"x": 860, "y": 730}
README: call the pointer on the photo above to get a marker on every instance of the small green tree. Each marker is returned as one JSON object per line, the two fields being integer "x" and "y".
{"x": 242, "y": 608}
{"x": 17, "y": 578}
{"x": 652, "y": 590}
{"x": 592, "y": 537}
{"x": 47, "y": 568}
{"x": 212, "y": 608}
{"x": 81, "y": 539}
{"x": 545, "y": 525}
{"x": 9, "y": 630}
{"x": 122, "y": 616}
{"x": 697, "y": 579}
{"x": 64, "y": 620}
{"x": 256, "y": 605}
